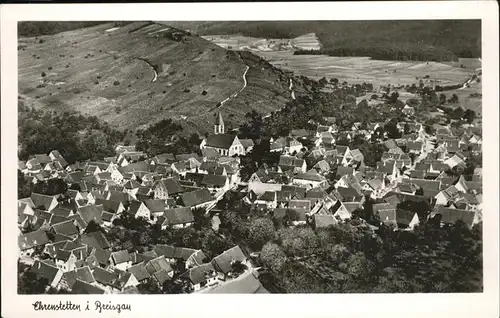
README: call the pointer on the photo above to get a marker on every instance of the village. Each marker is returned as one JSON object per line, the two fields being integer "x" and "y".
{"x": 63, "y": 236}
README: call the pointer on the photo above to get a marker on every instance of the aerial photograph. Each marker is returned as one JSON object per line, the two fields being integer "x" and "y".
{"x": 249, "y": 157}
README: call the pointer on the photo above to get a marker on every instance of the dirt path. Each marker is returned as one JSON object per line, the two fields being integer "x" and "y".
{"x": 291, "y": 89}
{"x": 239, "y": 91}
{"x": 155, "y": 74}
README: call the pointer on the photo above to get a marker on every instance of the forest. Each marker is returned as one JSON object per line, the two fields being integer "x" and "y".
{"x": 413, "y": 40}
{"x": 77, "y": 137}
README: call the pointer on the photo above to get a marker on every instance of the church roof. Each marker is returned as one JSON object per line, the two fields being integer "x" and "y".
{"x": 223, "y": 141}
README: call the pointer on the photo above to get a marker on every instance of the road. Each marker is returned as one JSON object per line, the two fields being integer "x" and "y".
{"x": 239, "y": 91}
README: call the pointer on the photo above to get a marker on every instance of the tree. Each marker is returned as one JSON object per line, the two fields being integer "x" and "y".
{"x": 149, "y": 286}
{"x": 273, "y": 257}
{"x": 93, "y": 226}
{"x": 237, "y": 268}
{"x": 24, "y": 187}
{"x": 261, "y": 231}
{"x": 454, "y": 98}
{"x": 392, "y": 129}
{"x": 442, "y": 99}
{"x": 177, "y": 286}
{"x": 30, "y": 283}
{"x": 334, "y": 81}
{"x": 393, "y": 97}
{"x": 469, "y": 115}
{"x": 51, "y": 187}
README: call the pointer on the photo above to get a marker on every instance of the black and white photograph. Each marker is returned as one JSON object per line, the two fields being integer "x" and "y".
{"x": 166, "y": 157}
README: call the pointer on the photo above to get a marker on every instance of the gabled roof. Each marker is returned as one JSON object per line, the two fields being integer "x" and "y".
{"x": 449, "y": 215}
{"x": 108, "y": 205}
{"x": 155, "y": 205}
{"x": 45, "y": 269}
{"x": 42, "y": 201}
{"x": 178, "y": 216}
{"x": 404, "y": 217}
{"x": 81, "y": 287}
{"x": 172, "y": 185}
{"x": 139, "y": 271}
{"x": 214, "y": 180}
{"x": 324, "y": 220}
{"x": 158, "y": 264}
{"x": 223, "y": 141}
{"x": 91, "y": 212}
{"x": 32, "y": 239}
{"x": 248, "y": 284}
{"x": 196, "y": 197}
{"x": 119, "y": 196}
{"x": 66, "y": 228}
{"x": 95, "y": 240}
{"x": 310, "y": 176}
{"x": 433, "y": 185}
{"x": 199, "y": 273}
{"x": 222, "y": 262}
{"x": 120, "y": 257}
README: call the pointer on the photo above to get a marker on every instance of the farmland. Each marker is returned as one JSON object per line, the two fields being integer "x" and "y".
{"x": 135, "y": 74}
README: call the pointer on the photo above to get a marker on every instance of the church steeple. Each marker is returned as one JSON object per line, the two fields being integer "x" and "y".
{"x": 219, "y": 124}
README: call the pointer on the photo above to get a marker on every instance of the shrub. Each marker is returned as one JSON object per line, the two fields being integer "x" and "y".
{"x": 116, "y": 83}
{"x": 204, "y": 93}
{"x": 43, "y": 74}
{"x": 49, "y": 68}
{"x": 41, "y": 41}
{"x": 98, "y": 76}
{"x": 187, "y": 90}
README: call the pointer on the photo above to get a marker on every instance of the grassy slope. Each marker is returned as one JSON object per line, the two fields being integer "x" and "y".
{"x": 195, "y": 64}
{"x": 455, "y": 36}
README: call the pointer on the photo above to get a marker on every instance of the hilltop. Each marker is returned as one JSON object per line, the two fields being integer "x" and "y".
{"x": 135, "y": 74}
{"x": 416, "y": 39}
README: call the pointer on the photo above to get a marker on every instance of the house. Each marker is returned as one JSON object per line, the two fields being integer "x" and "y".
{"x": 177, "y": 218}
{"x": 139, "y": 271}
{"x": 408, "y": 110}
{"x": 223, "y": 263}
{"x": 201, "y": 276}
{"x": 296, "y": 164}
{"x": 311, "y": 179}
{"x": 225, "y": 144}
{"x": 48, "y": 270}
{"x": 65, "y": 260}
{"x": 389, "y": 169}
{"x": 247, "y": 144}
{"x": 388, "y": 217}
{"x": 69, "y": 278}
{"x": 44, "y": 202}
{"x": 269, "y": 199}
{"x": 324, "y": 220}
{"x": 416, "y": 147}
{"x": 450, "y": 216}
{"x": 139, "y": 209}
{"x": 286, "y": 145}
{"x": 29, "y": 241}
{"x": 197, "y": 198}
{"x": 66, "y": 228}
{"x": 113, "y": 281}
{"x": 406, "y": 219}
{"x": 296, "y": 216}
{"x": 247, "y": 284}
{"x": 120, "y": 260}
{"x": 166, "y": 187}
{"x": 95, "y": 240}
{"x": 455, "y": 161}
{"x": 215, "y": 183}
{"x": 160, "y": 269}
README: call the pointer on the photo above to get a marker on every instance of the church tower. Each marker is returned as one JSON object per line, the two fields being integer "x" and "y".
{"x": 219, "y": 124}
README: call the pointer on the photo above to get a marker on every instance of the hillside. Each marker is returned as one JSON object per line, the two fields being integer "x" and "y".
{"x": 135, "y": 74}
{"x": 440, "y": 39}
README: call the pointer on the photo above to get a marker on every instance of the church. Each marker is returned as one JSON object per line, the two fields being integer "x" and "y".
{"x": 224, "y": 144}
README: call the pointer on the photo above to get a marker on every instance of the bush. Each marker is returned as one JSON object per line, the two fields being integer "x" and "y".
{"x": 116, "y": 83}
{"x": 49, "y": 68}
{"x": 204, "y": 93}
{"x": 187, "y": 90}
{"x": 43, "y": 74}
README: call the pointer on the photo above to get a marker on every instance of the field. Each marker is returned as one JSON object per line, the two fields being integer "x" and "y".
{"x": 139, "y": 73}
{"x": 364, "y": 69}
